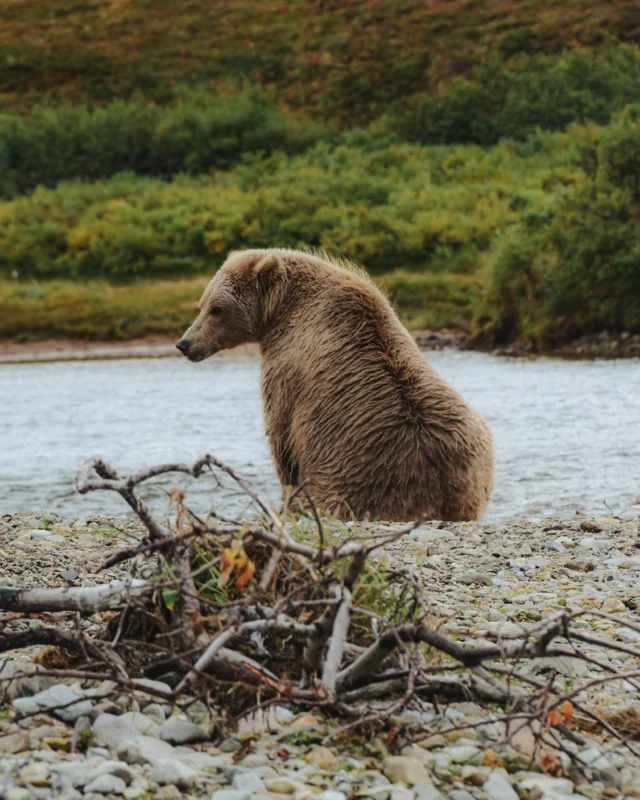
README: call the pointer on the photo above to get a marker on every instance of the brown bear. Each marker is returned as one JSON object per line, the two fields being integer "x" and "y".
{"x": 350, "y": 404}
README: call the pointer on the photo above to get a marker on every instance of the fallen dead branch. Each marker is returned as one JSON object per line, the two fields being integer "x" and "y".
{"x": 297, "y": 609}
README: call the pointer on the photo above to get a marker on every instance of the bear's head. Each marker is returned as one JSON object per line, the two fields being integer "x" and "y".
{"x": 236, "y": 305}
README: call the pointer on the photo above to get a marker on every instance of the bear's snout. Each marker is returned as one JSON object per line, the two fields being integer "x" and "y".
{"x": 183, "y": 346}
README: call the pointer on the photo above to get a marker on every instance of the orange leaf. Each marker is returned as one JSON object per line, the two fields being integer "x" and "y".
{"x": 245, "y": 575}
{"x": 554, "y": 717}
{"x": 550, "y": 764}
{"x": 567, "y": 710}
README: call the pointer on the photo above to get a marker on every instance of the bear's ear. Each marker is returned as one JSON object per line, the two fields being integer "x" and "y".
{"x": 271, "y": 267}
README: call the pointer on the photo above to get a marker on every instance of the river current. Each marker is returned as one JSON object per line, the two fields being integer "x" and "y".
{"x": 567, "y": 433}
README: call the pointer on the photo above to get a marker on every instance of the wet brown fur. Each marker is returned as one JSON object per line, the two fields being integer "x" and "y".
{"x": 350, "y": 403}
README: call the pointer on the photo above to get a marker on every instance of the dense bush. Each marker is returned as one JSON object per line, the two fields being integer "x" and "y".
{"x": 576, "y": 267}
{"x": 199, "y": 132}
{"x": 513, "y": 99}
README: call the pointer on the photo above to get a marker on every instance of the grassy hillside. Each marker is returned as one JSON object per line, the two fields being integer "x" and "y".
{"x": 341, "y": 59}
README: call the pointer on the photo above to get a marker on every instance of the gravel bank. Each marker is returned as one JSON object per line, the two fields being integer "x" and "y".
{"x": 477, "y": 577}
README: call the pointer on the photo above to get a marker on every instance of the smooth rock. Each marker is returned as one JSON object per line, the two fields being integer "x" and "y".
{"x": 568, "y": 666}
{"x": 248, "y": 782}
{"x": 461, "y": 794}
{"x": 400, "y": 793}
{"x": 230, "y": 794}
{"x": 176, "y": 731}
{"x": 106, "y": 784}
{"x": 404, "y": 768}
{"x": 36, "y": 773}
{"x": 461, "y": 754}
{"x": 14, "y": 743}
{"x": 281, "y": 785}
{"x": 473, "y": 576}
{"x": 425, "y": 790}
{"x": 322, "y": 757}
{"x": 546, "y": 784}
{"x": 115, "y": 732}
{"x": 155, "y": 711}
{"x": 497, "y": 787}
{"x": 60, "y": 695}
{"x": 168, "y": 792}
{"x": 612, "y": 605}
{"x": 173, "y": 771}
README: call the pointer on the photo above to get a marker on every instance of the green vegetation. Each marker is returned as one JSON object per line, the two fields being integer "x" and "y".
{"x": 480, "y": 158}
{"x": 197, "y": 132}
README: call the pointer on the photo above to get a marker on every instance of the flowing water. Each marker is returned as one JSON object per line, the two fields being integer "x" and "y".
{"x": 567, "y": 433}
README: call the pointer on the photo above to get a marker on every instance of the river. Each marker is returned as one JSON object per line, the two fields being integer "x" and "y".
{"x": 567, "y": 433}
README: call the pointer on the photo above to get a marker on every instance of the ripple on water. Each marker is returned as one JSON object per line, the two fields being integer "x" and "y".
{"x": 566, "y": 432}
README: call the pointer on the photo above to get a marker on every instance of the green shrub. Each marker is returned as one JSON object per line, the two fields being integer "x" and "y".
{"x": 200, "y": 132}
{"x": 575, "y": 268}
{"x": 515, "y": 98}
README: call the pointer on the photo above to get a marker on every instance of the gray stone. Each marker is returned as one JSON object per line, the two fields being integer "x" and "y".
{"x": 567, "y": 666}
{"x": 473, "y": 576}
{"x": 461, "y": 754}
{"x": 377, "y": 793}
{"x": 47, "y": 536}
{"x": 230, "y": 794}
{"x": 461, "y": 794}
{"x": 546, "y": 784}
{"x": 106, "y": 784}
{"x": 426, "y": 534}
{"x": 229, "y": 745}
{"x": 115, "y": 732}
{"x": 399, "y": 793}
{"x": 173, "y": 771}
{"x": 141, "y": 723}
{"x": 117, "y": 768}
{"x": 497, "y": 787}
{"x": 147, "y": 683}
{"x": 178, "y": 731}
{"x": 247, "y": 782}
{"x": 25, "y": 679}
{"x": 168, "y": 792}
{"x": 255, "y": 760}
{"x": 56, "y": 696}
{"x": 155, "y": 711}
{"x": 153, "y": 750}
{"x": 609, "y": 775}
{"x": 425, "y": 790}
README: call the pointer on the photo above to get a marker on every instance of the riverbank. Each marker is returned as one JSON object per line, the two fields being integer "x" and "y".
{"x": 476, "y": 577}
{"x": 602, "y": 345}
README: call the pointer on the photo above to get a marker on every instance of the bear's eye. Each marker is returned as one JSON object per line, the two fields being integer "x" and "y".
{"x": 215, "y": 311}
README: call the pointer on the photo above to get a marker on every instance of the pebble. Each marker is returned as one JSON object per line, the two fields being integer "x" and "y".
{"x": 178, "y": 731}
{"x": 497, "y": 787}
{"x": 230, "y": 794}
{"x": 106, "y": 784}
{"x": 612, "y": 605}
{"x": 404, "y": 768}
{"x": 248, "y": 782}
{"x": 322, "y": 757}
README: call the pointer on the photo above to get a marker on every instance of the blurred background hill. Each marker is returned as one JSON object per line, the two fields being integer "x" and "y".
{"x": 480, "y": 157}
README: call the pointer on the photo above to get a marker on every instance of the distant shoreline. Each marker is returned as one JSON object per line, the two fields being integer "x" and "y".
{"x": 601, "y": 345}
